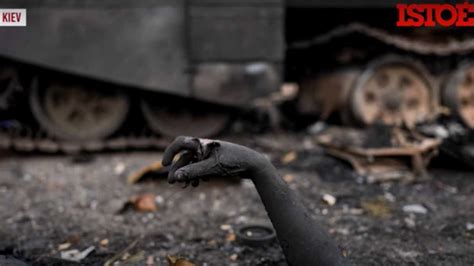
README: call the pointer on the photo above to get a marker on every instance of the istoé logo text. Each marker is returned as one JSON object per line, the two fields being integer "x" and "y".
{"x": 431, "y": 15}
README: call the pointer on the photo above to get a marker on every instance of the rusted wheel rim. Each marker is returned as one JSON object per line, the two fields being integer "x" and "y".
{"x": 459, "y": 94}
{"x": 393, "y": 93}
{"x": 190, "y": 120}
{"x": 74, "y": 112}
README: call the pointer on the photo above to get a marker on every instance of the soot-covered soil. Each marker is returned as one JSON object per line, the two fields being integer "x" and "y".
{"x": 50, "y": 204}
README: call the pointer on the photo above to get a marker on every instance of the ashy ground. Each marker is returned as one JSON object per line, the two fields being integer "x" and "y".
{"x": 51, "y": 204}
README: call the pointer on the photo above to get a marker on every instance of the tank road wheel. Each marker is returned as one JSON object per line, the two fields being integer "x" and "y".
{"x": 175, "y": 120}
{"x": 76, "y": 113}
{"x": 392, "y": 92}
{"x": 458, "y": 94}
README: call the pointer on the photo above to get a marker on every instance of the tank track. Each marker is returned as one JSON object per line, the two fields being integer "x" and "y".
{"x": 397, "y": 41}
{"x": 21, "y": 131}
{"x": 23, "y": 136}
{"x": 440, "y": 61}
{"x": 19, "y": 137}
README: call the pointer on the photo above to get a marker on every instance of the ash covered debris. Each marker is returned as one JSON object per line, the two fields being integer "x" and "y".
{"x": 381, "y": 153}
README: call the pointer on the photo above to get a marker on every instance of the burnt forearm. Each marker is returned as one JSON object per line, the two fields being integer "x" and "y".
{"x": 302, "y": 239}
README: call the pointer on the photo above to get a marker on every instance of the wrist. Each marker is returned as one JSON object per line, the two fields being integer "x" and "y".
{"x": 261, "y": 166}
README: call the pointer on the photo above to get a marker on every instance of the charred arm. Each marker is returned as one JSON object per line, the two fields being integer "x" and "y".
{"x": 303, "y": 240}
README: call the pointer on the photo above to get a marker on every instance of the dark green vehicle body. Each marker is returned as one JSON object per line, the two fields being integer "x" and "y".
{"x": 226, "y": 51}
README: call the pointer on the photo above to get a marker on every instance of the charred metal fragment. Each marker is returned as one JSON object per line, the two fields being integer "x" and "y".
{"x": 255, "y": 235}
{"x": 381, "y": 154}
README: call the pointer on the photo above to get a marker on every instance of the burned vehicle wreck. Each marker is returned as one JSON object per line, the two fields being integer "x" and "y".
{"x": 354, "y": 68}
{"x": 338, "y": 127}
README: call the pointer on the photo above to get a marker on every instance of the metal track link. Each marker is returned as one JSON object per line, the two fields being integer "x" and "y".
{"x": 400, "y": 42}
{"x": 23, "y": 142}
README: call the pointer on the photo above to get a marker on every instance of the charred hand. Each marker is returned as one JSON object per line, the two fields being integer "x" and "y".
{"x": 201, "y": 159}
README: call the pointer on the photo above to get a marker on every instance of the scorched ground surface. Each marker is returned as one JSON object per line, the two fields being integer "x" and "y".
{"x": 49, "y": 200}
